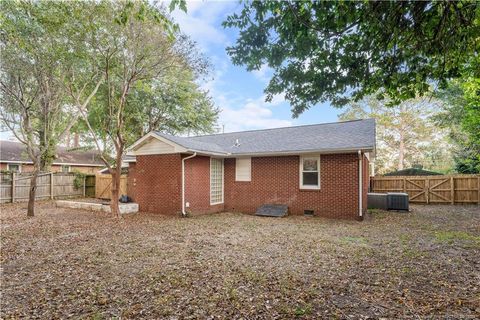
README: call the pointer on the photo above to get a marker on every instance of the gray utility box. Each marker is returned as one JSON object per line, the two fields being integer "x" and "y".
{"x": 377, "y": 201}
{"x": 397, "y": 201}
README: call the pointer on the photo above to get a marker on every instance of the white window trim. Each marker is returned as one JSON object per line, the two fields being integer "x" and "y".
{"x": 66, "y": 165}
{"x": 223, "y": 181}
{"x": 309, "y": 187}
{"x": 249, "y": 173}
{"x": 15, "y": 164}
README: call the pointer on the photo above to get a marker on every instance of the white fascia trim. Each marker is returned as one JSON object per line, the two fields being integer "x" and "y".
{"x": 296, "y": 153}
{"x": 14, "y": 161}
{"x": 56, "y": 163}
{"x": 208, "y": 153}
{"x": 78, "y": 164}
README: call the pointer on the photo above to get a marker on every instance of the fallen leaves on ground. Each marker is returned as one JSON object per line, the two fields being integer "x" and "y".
{"x": 74, "y": 263}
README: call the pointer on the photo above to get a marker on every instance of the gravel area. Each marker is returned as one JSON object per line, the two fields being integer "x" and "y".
{"x": 72, "y": 263}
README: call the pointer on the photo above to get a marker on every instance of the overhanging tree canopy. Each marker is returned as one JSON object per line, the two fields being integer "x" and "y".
{"x": 337, "y": 51}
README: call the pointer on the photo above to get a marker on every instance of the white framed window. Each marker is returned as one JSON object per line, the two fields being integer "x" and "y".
{"x": 310, "y": 172}
{"x": 243, "y": 169}
{"x": 65, "y": 169}
{"x": 14, "y": 167}
{"x": 216, "y": 181}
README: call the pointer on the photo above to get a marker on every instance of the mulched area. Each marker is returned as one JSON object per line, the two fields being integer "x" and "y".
{"x": 72, "y": 263}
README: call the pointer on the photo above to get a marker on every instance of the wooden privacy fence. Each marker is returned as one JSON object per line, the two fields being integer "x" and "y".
{"x": 103, "y": 186}
{"x": 90, "y": 186}
{"x": 432, "y": 189}
{"x": 15, "y": 187}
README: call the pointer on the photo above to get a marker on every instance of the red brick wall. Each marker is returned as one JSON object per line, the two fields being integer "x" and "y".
{"x": 275, "y": 180}
{"x": 157, "y": 181}
{"x": 197, "y": 186}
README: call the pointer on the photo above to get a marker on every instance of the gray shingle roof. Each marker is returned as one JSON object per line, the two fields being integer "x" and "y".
{"x": 15, "y": 151}
{"x": 348, "y": 135}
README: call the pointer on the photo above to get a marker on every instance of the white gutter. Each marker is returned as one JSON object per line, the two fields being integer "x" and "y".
{"x": 183, "y": 182}
{"x": 360, "y": 184}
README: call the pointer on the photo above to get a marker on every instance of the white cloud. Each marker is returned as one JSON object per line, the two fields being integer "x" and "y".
{"x": 200, "y": 21}
{"x": 253, "y": 114}
{"x": 263, "y": 74}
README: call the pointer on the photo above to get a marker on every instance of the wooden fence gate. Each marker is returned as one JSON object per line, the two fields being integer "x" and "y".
{"x": 432, "y": 189}
{"x": 103, "y": 186}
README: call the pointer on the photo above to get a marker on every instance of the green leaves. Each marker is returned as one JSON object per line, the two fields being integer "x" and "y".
{"x": 343, "y": 51}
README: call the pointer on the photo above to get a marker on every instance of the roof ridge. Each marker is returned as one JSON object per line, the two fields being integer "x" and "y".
{"x": 279, "y": 128}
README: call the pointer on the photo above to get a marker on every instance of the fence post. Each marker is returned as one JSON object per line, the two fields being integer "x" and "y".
{"x": 84, "y": 184}
{"x": 13, "y": 187}
{"x": 427, "y": 190}
{"x": 51, "y": 185}
{"x": 452, "y": 191}
{"x": 478, "y": 189}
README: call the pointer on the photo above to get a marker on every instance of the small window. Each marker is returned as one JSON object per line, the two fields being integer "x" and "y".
{"x": 65, "y": 169}
{"x": 13, "y": 167}
{"x": 216, "y": 181}
{"x": 310, "y": 172}
{"x": 243, "y": 169}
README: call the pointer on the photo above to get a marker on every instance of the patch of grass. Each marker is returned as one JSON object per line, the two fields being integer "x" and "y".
{"x": 303, "y": 310}
{"x": 356, "y": 240}
{"x": 452, "y": 236}
{"x": 377, "y": 213}
{"x": 412, "y": 253}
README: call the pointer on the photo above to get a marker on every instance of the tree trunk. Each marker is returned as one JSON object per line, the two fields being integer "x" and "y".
{"x": 31, "y": 195}
{"x": 76, "y": 140}
{"x": 67, "y": 139}
{"x": 401, "y": 153}
{"x": 115, "y": 192}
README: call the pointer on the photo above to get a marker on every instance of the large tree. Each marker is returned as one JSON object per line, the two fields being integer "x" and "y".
{"x": 339, "y": 50}
{"x": 460, "y": 116}
{"x": 35, "y": 56}
{"x": 149, "y": 71}
{"x": 406, "y": 134}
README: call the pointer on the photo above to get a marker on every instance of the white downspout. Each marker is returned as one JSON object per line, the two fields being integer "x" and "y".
{"x": 183, "y": 181}
{"x": 360, "y": 184}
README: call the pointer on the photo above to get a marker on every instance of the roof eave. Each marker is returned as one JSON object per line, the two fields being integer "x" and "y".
{"x": 297, "y": 152}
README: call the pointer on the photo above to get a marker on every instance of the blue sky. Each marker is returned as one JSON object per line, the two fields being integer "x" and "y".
{"x": 237, "y": 92}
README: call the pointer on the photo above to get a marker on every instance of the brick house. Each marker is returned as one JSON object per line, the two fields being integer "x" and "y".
{"x": 13, "y": 157}
{"x": 314, "y": 169}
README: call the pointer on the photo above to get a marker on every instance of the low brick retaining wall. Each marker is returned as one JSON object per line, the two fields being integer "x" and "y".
{"x": 124, "y": 207}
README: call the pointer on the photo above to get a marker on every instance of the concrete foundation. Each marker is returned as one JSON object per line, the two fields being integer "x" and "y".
{"x": 124, "y": 207}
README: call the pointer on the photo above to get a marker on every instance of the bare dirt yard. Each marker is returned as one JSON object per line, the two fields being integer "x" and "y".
{"x": 71, "y": 263}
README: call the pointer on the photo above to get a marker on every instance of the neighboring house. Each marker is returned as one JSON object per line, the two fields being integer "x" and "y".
{"x": 413, "y": 172}
{"x": 13, "y": 157}
{"x": 314, "y": 169}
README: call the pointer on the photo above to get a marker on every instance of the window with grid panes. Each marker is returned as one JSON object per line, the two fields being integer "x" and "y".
{"x": 216, "y": 181}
